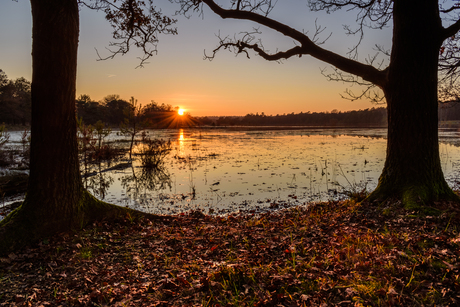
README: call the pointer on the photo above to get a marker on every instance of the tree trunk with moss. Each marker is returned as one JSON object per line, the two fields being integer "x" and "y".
{"x": 412, "y": 170}
{"x": 55, "y": 200}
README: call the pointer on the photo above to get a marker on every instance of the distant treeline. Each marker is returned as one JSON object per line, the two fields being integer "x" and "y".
{"x": 15, "y": 109}
{"x": 112, "y": 111}
{"x": 374, "y": 117}
{"x": 15, "y": 106}
{"x": 449, "y": 111}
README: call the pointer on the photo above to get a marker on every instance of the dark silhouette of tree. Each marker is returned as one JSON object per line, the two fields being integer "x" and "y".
{"x": 162, "y": 116}
{"x": 449, "y": 111}
{"x": 412, "y": 171}
{"x": 56, "y": 200}
{"x": 91, "y": 111}
{"x": 115, "y": 109}
{"x": 3, "y": 78}
{"x": 158, "y": 115}
{"x": 15, "y": 101}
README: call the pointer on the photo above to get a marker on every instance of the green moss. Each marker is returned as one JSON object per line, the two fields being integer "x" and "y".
{"x": 85, "y": 253}
{"x": 387, "y": 211}
{"x": 10, "y": 217}
{"x": 438, "y": 265}
{"x": 91, "y": 209}
{"x": 16, "y": 231}
{"x": 414, "y": 198}
{"x": 426, "y": 243}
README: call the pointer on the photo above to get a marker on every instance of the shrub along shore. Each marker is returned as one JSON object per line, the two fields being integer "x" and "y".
{"x": 345, "y": 253}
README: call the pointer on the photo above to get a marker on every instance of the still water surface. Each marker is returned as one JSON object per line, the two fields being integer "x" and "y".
{"x": 222, "y": 170}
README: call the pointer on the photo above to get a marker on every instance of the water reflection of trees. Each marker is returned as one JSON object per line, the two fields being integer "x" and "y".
{"x": 139, "y": 182}
{"x": 152, "y": 175}
{"x": 142, "y": 181}
{"x": 98, "y": 182}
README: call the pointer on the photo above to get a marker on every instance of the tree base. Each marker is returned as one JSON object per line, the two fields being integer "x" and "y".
{"x": 21, "y": 228}
{"x": 414, "y": 197}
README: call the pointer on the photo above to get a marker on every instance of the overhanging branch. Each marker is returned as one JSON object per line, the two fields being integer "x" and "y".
{"x": 307, "y": 46}
{"x": 451, "y": 30}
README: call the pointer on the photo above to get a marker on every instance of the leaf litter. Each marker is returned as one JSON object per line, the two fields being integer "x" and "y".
{"x": 337, "y": 253}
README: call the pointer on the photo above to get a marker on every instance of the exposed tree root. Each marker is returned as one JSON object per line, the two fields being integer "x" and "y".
{"x": 21, "y": 228}
{"x": 414, "y": 197}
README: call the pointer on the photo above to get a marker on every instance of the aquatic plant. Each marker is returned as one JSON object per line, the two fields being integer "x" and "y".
{"x": 354, "y": 191}
{"x": 154, "y": 151}
{"x": 25, "y": 141}
{"x": 101, "y": 132}
{"x": 5, "y": 158}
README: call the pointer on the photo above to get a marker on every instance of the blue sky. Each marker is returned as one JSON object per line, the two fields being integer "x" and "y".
{"x": 179, "y": 76}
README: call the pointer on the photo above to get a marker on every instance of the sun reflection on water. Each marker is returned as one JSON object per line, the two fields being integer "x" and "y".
{"x": 181, "y": 143}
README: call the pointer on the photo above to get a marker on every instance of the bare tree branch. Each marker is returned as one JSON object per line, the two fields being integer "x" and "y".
{"x": 370, "y": 91}
{"x": 371, "y": 14}
{"x": 450, "y": 9}
{"x": 135, "y": 24}
{"x": 451, "y": 30}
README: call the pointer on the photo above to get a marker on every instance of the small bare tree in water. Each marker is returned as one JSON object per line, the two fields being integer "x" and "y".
{"x": 132, "y": 124}
{"x": 25, "y": 141}
{"x": 101, "y": 132}
{"x": 4, "y": 135}
{"x": 4, "y": 138}
{"x": 103, "y": 151}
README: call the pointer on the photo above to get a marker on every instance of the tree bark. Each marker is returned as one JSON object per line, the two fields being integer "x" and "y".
{"x": 412, "y": 170}
{"x": 54, "y": 185}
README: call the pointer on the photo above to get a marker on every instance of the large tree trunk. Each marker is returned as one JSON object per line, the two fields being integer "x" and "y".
{"x": 54, "y": 184}
{"x": 412, "y": 170}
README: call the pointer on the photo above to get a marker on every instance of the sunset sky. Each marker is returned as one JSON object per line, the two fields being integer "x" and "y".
{"x": 179, "y": 76}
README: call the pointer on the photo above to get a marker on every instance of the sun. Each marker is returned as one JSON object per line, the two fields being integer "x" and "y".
{"x": 181, "y": 112}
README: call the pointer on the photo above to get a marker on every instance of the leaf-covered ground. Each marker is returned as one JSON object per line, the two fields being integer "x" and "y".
{"x": 337, "y": 253}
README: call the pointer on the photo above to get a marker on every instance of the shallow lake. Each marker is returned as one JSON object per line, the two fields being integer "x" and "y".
{"x": 227, "y": 170}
